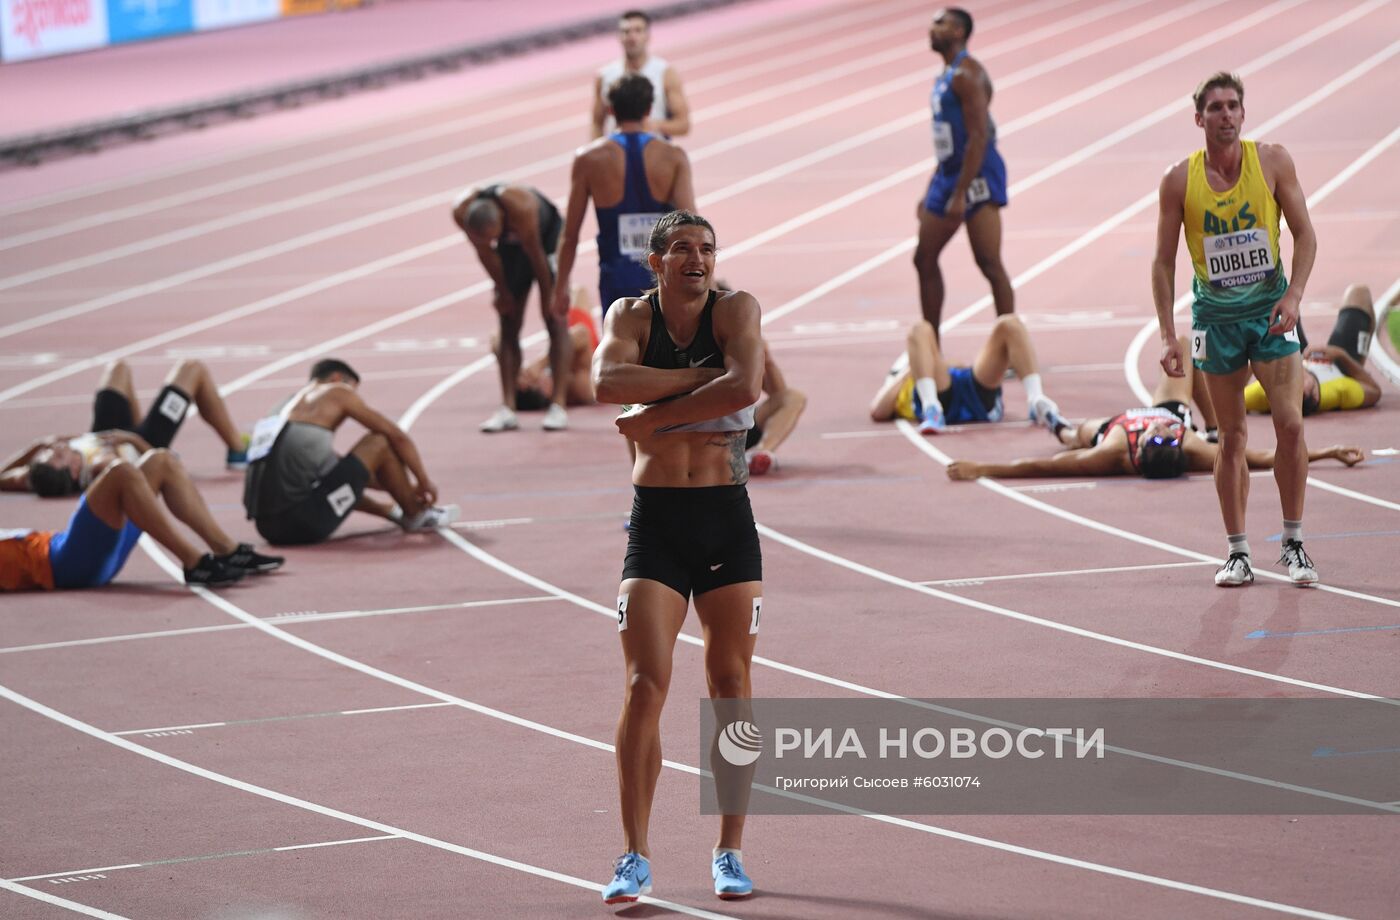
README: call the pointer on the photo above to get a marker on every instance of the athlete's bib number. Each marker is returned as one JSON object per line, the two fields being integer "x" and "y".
{"x": 942, "y": 140}
{"x": 265, "y": 432}
{"x": 1198, "y": 345}
{"x": 1243, "y": 257}
{"x": 634, "y": 234}
{"x": 977, "y": 191}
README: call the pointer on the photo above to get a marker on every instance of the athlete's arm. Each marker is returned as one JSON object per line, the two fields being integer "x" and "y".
{"x": 352, "y": 405}
{"x": 618, "y": 375}
{"x": 579, "y": 194}
{"x": 523, "y": 214}
{"x": 14, "y": 475}
{"x": 738, "y": 387}
{"x": 1171, "y": 197}
{"x": 1288, "y": 192}
{"x": 677, "y": 120}
{"x": 1095, "y": 461}
{"x": 683, "y": 186}
{"x": 115, "y": 437}
{"x": 600, "y": 108}
{"x": 485, "y": 252}
{"x": 1348, "y": 455}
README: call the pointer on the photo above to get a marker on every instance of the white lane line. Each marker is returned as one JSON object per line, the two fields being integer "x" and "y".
{"x": 190, "y": 729}
{"x": 912, "y": 435}
{"x": 1134, "y": 354}
{"x": 316, "y": 808}
{"x": 56, "y": 901}
{"x": 206, "y": 857}
{"x": 459, "y": 126}
{"x": 982, "y": 579}
{"x": 294, "y": 617}
{"x": 831, "y": 150}
{"x": 218, "y": 601}
{"x": 716, "y": 51}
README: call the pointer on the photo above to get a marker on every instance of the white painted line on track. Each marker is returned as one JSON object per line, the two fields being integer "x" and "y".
{"x": 208, "y": 856}
{"x": 982, "y": 579}
{"x": 306, "y": 805}
{"x": 56, "y": 901}
{"x": 912, "y": 435}
{"x": 293, "y": 617}
{"x": 189, "y": 729}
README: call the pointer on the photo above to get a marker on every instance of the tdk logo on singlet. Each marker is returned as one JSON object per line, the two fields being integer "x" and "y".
{"x": 1236, "y": 240}
{"x": 1213, "y": 225}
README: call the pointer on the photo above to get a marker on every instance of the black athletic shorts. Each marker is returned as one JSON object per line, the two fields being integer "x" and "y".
{"x": 110, "y": 409}
{"x": 520, "y": 274}
{"x": 752, "y": 437}
{"x": 693, "y": 540}
{"x": 316, "y": 517}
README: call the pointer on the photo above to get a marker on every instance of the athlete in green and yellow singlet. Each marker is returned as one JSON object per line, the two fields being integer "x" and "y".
{"x": 1229, "y": 196}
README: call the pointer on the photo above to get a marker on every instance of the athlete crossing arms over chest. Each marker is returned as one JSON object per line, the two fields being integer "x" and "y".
{"x": 691, "y": 359}
{"x": 669, "y": 112}
{"x": 632, "y": 178}
{"x": 1229, "y": 197}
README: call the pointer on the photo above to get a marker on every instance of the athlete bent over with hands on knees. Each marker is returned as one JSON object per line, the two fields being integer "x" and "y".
{"x": 689, "y": 361}
{"x": 1229, "y": 196}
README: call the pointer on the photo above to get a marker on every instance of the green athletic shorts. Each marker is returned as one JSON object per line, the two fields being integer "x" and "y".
{"x": 1223, "y": 348}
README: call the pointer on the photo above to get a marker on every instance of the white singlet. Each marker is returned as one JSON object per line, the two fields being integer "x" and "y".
{"x": 654, "y": 70}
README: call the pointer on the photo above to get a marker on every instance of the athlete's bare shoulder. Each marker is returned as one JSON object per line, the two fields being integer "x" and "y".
{"x": 1274, "y": 159}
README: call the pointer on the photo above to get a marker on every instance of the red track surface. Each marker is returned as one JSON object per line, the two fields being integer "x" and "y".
{"x": 496, "y": 795}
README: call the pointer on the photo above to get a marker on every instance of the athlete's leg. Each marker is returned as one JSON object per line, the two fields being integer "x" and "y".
{"x": 194, "y": 378}
{"x": 511, "y": 315}
{"x": 729, "y": 625}
{"x": 653, "y": 618}
{"x": 1282, "y": 379}
{"x": 386, "y": 472}
{"x": 122, "y": 493}
{"x": 167, "y": 478}
{"x": 561, "y": 349}
{"x": 934, "y": 234}
{"x": 926, "y": 357}
{"x": 1009, "y": 346}
{"x": 1356, "y": 323}
{"x": 117, "y": 376}
{"x": 1231, "y": 470}
{"x": 882, "y": 407}
{"x": 984, "y": 233}
{"x": 778, "y": 416}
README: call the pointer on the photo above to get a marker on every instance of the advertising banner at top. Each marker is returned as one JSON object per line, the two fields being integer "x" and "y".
{"x": 39, "y": 28}
{"x": 134, "y": 20}
{"x": 216, "y": 14}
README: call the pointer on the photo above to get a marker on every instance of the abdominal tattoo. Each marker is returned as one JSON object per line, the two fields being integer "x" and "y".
{"x": 738, "y": 466}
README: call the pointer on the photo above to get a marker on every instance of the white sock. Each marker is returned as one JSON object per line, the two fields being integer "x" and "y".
{"x": 1033, "y": 388}
{"x": 396, "y": 515}
{"x": 1293, "y": 530}
{"x": 928, "y": 391}
{"x": 1238, "y": 543}
{"x": 738, "y": 854}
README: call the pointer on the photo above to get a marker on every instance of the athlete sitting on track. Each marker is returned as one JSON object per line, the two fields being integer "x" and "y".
{"x": 935, "y": 394}
{"x": 534, "y": 385}
{"x": 690, "y": 361}
{"x": 1154, "y": 442}
{"x": 120, "y": 504}
{"x": 66, "y": 465}
{"x": 1334, "y": 375}
{"x": 298, "y": 490}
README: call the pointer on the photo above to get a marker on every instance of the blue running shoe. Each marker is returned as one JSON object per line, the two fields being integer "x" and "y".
{"x": 631, "y": 879}
{"x": 730, "y": 881}
{"x": 931, "y": 419}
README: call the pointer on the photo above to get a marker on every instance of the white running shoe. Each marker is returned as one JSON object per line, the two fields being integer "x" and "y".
{"x": 502, "y": 420}
{"x": 555, "y": 418}
{"x": 431, "y": 518}
{"x": 1300, "y": 567}
{"x": 1235, "y": 572}
{"x": 1044, "y": 411}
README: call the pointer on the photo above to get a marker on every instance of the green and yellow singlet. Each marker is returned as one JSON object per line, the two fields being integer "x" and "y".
{"x": 1233, "y": 240}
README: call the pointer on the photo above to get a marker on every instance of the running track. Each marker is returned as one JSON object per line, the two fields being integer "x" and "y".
{"x": 419, "y": 726}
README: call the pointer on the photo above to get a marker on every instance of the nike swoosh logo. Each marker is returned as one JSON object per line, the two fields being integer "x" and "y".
{"x": 702, "y": 360}
{"x": 715, "y": 567}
